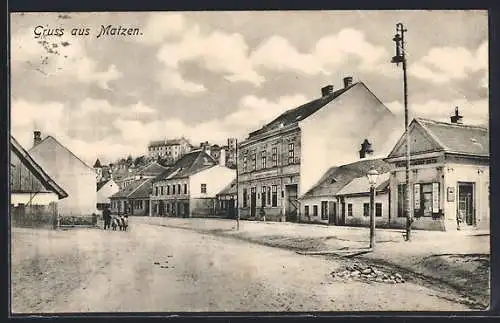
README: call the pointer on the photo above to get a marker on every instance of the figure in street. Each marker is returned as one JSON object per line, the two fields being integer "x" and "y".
{"x": 106, "y": 214}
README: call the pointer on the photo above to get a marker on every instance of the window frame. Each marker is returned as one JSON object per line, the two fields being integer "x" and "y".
{"x": 203, "y": 188}
{"x": 349, "y": 209}
{"x": 324, "y": 210}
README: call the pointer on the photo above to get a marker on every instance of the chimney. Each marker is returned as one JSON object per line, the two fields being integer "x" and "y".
{"x": 347, "y": 81}
{"x": 222, "y": 157}
{"x": 366, "y": 149}
{"x": 327, "y": 90}
{"x": 457, "y": 118}
{"x": 37, "y": 137}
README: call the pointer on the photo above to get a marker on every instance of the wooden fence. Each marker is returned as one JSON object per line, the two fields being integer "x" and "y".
{"x": 47, "y": 216}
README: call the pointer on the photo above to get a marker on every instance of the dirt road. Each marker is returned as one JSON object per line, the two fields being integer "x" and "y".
{"x": 157, "y": 269}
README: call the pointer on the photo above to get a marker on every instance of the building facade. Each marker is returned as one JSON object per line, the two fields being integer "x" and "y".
{"x": 76, "y": 177}
{"x": 190, "y": 187}
{"x": 105, "y": 189}
{"x": 171, "y": 149}
{"x": 328, "y": 200}
{"x": 449, "y": 176}
{"x": 283, "y": 160}
{"x": 126, "y": 200}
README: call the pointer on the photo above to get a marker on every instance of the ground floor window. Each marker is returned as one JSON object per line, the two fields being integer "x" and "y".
{"x": 378, "y": 209}
{"x": 402, "y": 203}
{"x": 324, "y": 210}
{"x": 245, "y": 197}
{"x": 315, "y": 210}
{"x": 275, "y": 195}
{"x": 366, "y": 209}
{"x": 306, "y": 210}
{"x": 426, "y": 199}
{"x": 349, "y": 209}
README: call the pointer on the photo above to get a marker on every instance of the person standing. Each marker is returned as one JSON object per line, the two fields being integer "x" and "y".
{"x": 106, "y": 214}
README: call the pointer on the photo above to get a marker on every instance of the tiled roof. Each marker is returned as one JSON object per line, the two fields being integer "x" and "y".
{"x": 300, "y": 113}
{"x": 458, "y": 138}
{"x": 152, "y": 169}
{"x": 167, "y": 142}
{"x": 36, "y": 169}
{"x": 229, "y": 189}
{"x": 339, "y": 176}
{"x": 130, "y": 188}
{"x": 143, "y": 191}
{"x": 189, "y": 164}
{"x": 361, "y": 185}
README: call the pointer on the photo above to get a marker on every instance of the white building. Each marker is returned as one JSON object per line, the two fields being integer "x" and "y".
{"x": 105, "y": 190}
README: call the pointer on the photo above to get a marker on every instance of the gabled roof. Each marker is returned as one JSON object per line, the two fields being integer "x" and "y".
{"x": 339, "y": 176}
{"x": 458, "y": 138}
{"x": 360, "y": 185}
{"x": 229, "y": 189}
{"x": 152, "y": 169}
{"x": 430, "y": 135}
{"x": 143, "y": 191}
{"x": 301, "y": 112}
{"x": 48, "y": 142}
{"x": 36, "y": 169}
{"x": 189, "y": 164}
{"x": 102, "y": 183}
{"x": 130, "y": 188}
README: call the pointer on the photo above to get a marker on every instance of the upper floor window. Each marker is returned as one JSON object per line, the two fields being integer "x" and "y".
{"x": 185, "y": 188}
{"x": 203, "y": 188}
{"x": 156, "y": 190}
{"x": 275, "y": 157}
{"x": 263, "y": 160}
{"x": 254, "y": 161}
{"x": 168, "y": 189}
{"x": 245, "y": 163}
{"x": 291, "y": 153}
{"x": 173, "y": 189}
{"x": 161, "y": 190}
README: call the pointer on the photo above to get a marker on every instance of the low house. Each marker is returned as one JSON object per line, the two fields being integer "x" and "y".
{"x": 76, "y": 177}
{"x": 356, "y": 196}
{"x": 227, "y": 201}
{"x": 33, "y": 193}
{"x": 449, "y": 175}
{"x": 126, "y": 201}
{"x": 151, "y": 170}
{"x": 105, "y": 189}
{"x": 321, "y": 204}
{"x": 190, "y": 186}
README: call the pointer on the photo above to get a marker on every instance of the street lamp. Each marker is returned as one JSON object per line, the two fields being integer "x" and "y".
{"x": 372, "y": 179}
{"x": 400, "y": 57}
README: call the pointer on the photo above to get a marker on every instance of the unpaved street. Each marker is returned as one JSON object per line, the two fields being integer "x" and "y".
{"x": 158, "y": 269}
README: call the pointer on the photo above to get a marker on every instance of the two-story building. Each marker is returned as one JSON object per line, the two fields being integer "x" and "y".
{"x": 190, "y": 186}
{"x": 151, "y": 170}
{"x": 283, "y": 160}
{"x": 449, "y": 175}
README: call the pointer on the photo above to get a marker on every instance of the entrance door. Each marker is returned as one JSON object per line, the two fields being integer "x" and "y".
{"x": 292, "y": 203}
{"x": 332, "y": 213}
{"x": 253, "y": 201}
{"x": 161, "y": 208}
{"x": 342, "y": 214}
{"x": 186, "y": 210}
{"x": 466, "y": 203}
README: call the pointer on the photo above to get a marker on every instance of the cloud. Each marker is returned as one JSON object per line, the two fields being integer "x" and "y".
{"x": 217, "y": 52}
{"x": 67, "y": 59}
{"x": 172, "y": 81}
{"x": 161, "y": 26}
{"x": 101, "y": 107}
{"x": 443, "y": 64}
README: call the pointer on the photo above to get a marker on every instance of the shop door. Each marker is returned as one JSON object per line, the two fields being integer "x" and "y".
{"x": 466, "y": 203}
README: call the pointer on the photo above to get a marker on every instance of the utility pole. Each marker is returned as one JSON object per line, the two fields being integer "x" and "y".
{"x": 237, "y": 189}
{"x": 401, "y": 58}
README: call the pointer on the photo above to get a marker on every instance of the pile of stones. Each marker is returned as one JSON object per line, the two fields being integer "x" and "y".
{"x": 358, "y": 271}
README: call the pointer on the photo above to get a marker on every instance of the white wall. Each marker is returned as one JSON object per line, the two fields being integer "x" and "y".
{"x": 38, "y": 199}
{"x": 106, "y": 191}
{"x": 358, "y": 217}
{"x": 315, "y": 201}
{"x": 75, "y": 177}
{"x": 333, "y": 135}
{"x": 216, "y": 178}
{"x": 455, "y": 173}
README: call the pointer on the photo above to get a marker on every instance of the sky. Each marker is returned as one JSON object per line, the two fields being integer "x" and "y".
{"x": 208, "y": 76}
